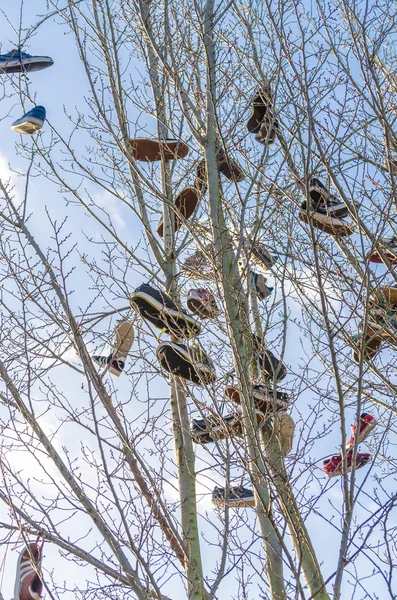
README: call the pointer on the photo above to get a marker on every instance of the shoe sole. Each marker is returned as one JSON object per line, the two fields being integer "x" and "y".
{"x": 202, "y": 375}
{"x": 218, "y": 432}
{"x": 198, "y": 307}
{"x": 28, "y": 126}
{"x": 376, "y": 258}
{"x": 191, "y": 326}
{"x": 172, "y": 149}
{"x": 260, "y": 400}
{"x": 366, "y": 432}
{"x": 234, "y": 503}
{"x": 185, "y": 203}
{"x": 25, "y": 65}
{"x": 333, "y": 227}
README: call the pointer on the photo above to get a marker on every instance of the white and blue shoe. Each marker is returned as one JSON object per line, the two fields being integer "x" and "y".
{"x": 21, "y": 62}
{"x": 261, "y": 289}
{"x": 31, "y": 121}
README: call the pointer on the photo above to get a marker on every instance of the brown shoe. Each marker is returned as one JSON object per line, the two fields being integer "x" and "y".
{"x": 261, "y": 107}
{"x": 332, "y": 225}
{"x": 227, "y": 166}
{"x": 149, "y": 150}
{"x": 185, "y": 204}
{"x": 27, "y": 583}
{"x": 373, "y": 345}
{"x": 284, "y": 428}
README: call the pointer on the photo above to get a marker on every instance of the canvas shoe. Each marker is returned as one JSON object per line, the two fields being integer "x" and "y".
{"x": 191, "y": 363}
{"x": 31, "y": 121}
{"x": 260, "y": 255}
{"x": 272, "y": 367}
{"x": 389, "y": 247}
{"x": 28, "y": 585}
{"x": 202, "y": 303}
{"x": 367, "y": 424}
{"x": 261, "y": 289}
{"x": 264, "y": 398}
{"x": 372, "y": 345}
{"x": 268, "y": 131}
{"x": 215, "y": 427}
{"x": 235, "y": 497}
{"x": 325, "y": 202}
{"x": 17, "y": 61}
{"x": 284, "y": 428}
{"x": 160, "y": 310}
{"x": 261, "y": 108}
{"x": 185, "y": 205}
{"x": 149, "y": 150}
{"x": 334, "y": 466}
{"x": 114, "y": 366}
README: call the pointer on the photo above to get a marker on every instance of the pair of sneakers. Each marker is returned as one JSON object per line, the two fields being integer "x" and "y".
{"x": 334, "y": 466}
{"x": 261, "y": 121}
{"x": 188, "y": 362}
{"x": 324, "y": 210}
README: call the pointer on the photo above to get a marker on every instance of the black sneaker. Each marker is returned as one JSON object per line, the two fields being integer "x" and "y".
{"x": 158, "y": 308}
{"x": 272, "y": 367}
{"x": 263, "y": 398}
{"x": 261, "y": 109}
{"x": 115, "y": 367}
{"x": 191, "y": 363}
{"x": 323, "y": 202}
{"x": 215, "y": 427}
{"x": 238, "y": 496}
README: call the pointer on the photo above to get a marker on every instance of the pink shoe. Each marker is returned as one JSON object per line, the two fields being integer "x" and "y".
{"x": 27, "y": 583}
{"x": 334, "y": 466}
{"x": 367, "y": 424}
{"x": 202, "y": 303}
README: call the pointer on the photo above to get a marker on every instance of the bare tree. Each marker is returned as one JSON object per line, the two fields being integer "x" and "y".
{"x": 108, "y": 473}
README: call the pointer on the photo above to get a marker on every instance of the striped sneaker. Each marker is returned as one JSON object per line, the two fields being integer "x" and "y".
{"x": 28, "y": 585}
{"x": 235, "y": 497}
{"x": 115, "y": 367}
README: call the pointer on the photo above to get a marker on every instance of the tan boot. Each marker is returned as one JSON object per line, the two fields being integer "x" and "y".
{"x": 284, "y": 428}
{"x": 124, "y": 338}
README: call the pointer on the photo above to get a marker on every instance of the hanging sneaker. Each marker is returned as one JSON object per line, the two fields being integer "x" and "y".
{"x": 158, "y": 308}
{"x": 215, "y": 427}
{"x": 149, "y": 150}
{"x": 31, "y": 121}
{"x": 272, "y": 367}
{"x": 191, "y": 363}
{"x": 235, "y": 497}
{"x": 261, "y": 289}
{"x": 389, "y": 247}
{"x": 268, "y": 131}
{"x": 367, "y": 424}
{"x": 386, "y": 297}
{"x": 262, "y": 105}
{"x": 284, "y": 428}
{"x": 28, "y": 585}
{"x": 332, "y": 225}
{"x": 334, "y": 466}
{"x": 202, "y": 303}
{"x": 229, "y": 167}
{"x": 372, "y": 345}
{"x": 325, "y": 202}
{"x": 260, "y": 255}
{"x": 17, "y": 61}
{"x": 185, "y": 205}
{"x": 114, "y": 366}
{"x": 264, "y": 398}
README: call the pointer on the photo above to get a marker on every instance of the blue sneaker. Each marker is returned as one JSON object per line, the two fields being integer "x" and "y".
{"x": 261, "y": 289}
{"x": 260, "y": 255}
{"x": 31, "y": 121}
{"x": 21, "y": 62}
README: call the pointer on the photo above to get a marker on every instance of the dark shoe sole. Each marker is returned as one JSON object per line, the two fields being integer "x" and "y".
{"x": 185, "y": 204}
{"x": 162, "y": 317}
{"x": 148, "y": 150}
{"x": 176, "y": 360}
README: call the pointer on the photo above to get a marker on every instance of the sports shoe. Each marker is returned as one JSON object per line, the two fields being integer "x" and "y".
{"x": 148, "y": 150}
{"x": 158, "y": 308}
{"x": 268, "y": 130}
{"x": 367, "y": 424}
{"x": 272, "y": 367}
{"x": 261, "y": 108}
{"x": 334, "y": 466}
{"x": 191, "y": 363}
{"x": 235, "y": 497}
{"x": 214, "y": 428}
{"x": 17, "y": 61}
{"x": 115, "y": 366}
{"x": 332, "y": 225}
{"x": 27, "y": 583}
{"x": 185, "y": 205}
{"x": 260, "y": 255}
{"x": 264, "y": 398}
{"x": 202, "y": 303}
{"x": 324, "y": 202}
{"x": 284, "y": 428}
{"x": 389, "y": 246}
{"x": 229, "y": 167}
{"x": 31, "y": 121}
{"x": 372, "y": 345}
{"x": 261, "y": 289}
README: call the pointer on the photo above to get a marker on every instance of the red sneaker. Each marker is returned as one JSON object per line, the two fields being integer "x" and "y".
{"x": 367, "y": 424}
{"x": 27, "y": 583}
{"x": 334, "y": 466}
